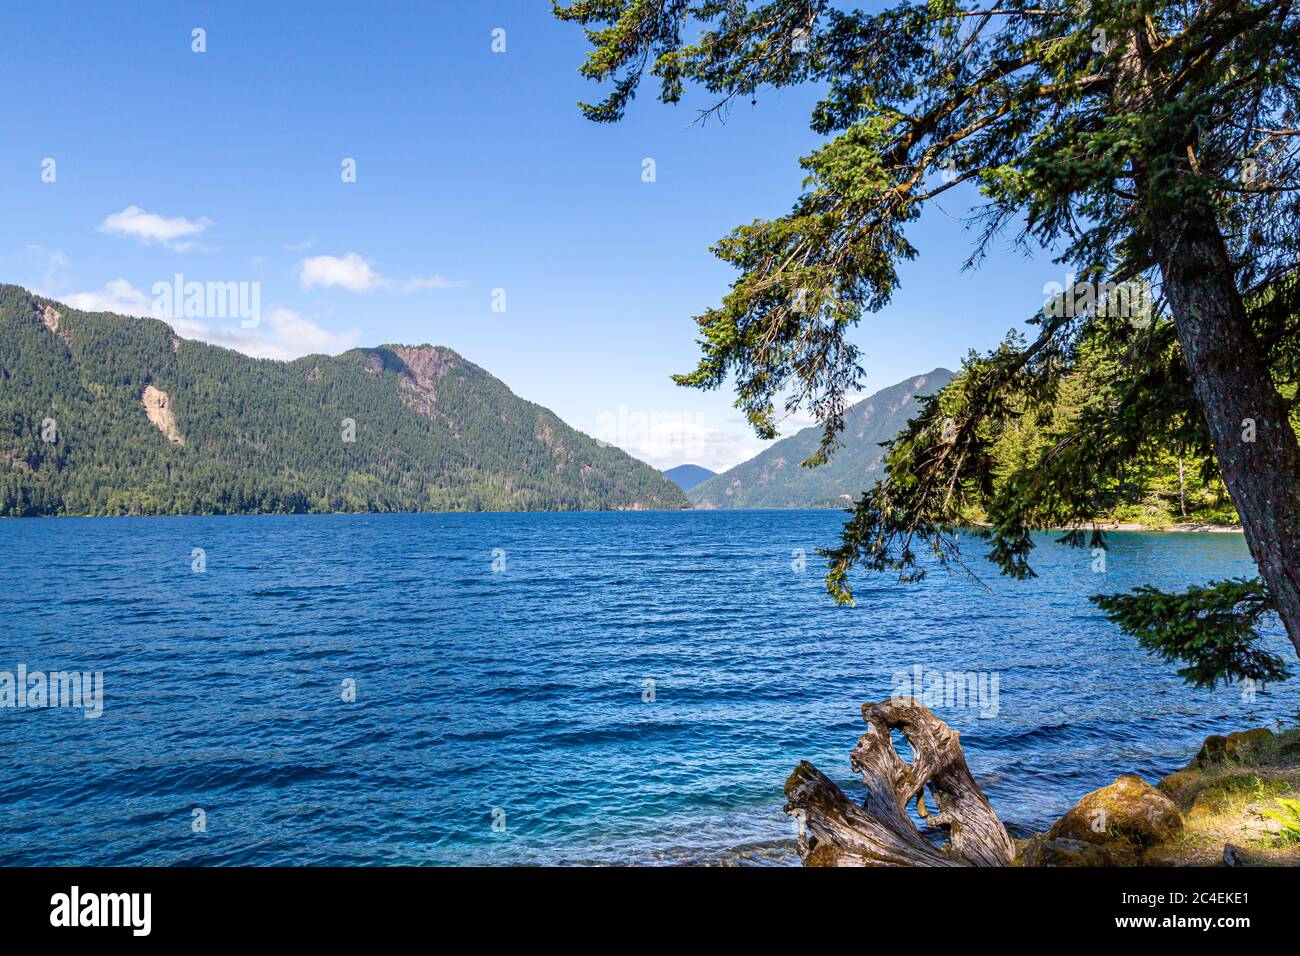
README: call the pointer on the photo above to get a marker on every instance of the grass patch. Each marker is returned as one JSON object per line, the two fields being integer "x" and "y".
{"x": 1289, "y": 817}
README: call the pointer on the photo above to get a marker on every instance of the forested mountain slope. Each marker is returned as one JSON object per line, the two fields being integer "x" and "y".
{"x": 107, "y": 414}
{"x": 773, "y": 478}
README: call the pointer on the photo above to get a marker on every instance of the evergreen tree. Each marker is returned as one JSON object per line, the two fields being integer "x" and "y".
{"x": 1148, "y": 141}
{"x": 267, "y": 436}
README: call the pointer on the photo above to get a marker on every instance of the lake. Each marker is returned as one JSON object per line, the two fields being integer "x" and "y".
{"x": 542, "y": 688}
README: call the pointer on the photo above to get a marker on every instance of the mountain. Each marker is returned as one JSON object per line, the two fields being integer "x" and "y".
{"x": 144, "y": 422}
{"x": 773, "y": 478}
{"x": 687, "y": 477}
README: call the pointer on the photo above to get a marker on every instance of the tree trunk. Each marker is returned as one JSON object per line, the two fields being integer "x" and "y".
{"x": 834, "y": 831}
{"x": 1254, "y": 443}
{"x": 1182, "y": 489}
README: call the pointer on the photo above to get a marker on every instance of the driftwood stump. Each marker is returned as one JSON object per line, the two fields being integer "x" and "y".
{"x": 835, "y": 831}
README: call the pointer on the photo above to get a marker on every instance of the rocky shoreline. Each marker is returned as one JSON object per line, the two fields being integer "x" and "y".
{"x": 1216, "y": 810}
{"x": 1234, "y": 804}
{"x": 1189, "y": 527}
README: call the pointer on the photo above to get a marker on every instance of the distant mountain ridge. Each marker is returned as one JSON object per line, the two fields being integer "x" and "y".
{"x": 104, "y": 414}
{"x": 773, "y": 478}
{"x": 687, "y": 477}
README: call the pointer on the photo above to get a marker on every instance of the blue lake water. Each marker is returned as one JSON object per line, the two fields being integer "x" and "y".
{"x": 504, "y": 716}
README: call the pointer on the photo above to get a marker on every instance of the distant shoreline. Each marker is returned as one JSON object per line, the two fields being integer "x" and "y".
{"x": 1182, "y": 527}
{"x": 1185, "y": 527}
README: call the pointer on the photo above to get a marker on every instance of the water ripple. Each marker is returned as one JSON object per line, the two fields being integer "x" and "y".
{"x": 632, "y": 688}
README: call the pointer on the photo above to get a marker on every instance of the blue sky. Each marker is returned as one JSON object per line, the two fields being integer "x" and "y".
{"x": 474, "y": 172}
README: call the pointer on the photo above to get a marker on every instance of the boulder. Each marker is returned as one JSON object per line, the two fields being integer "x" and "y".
{"x": 1236, "y": 856}
{"x": 1183, "y": 787}
{"x": 1129, "y": 811}
{"x": 1287, "y": 749}
{"x": 1043, "y": 851}
{"x": 1245, "y": 746}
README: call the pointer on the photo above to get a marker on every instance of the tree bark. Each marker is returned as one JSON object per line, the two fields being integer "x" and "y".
{"x": 1182, "y": 489}
{"x": 834, "y": 831}
{"x": 1254, "y": 444}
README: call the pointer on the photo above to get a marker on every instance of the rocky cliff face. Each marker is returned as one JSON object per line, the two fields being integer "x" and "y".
{"x": 157, "y": 408}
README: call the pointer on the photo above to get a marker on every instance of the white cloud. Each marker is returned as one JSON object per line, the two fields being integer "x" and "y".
{"x": 695, "y": 444}
{"x": 283, "y": 334}
{"x": 303, "y": 337}
{"x": 174, "y": 232}
{"x": 300, "y": 246}
{"x": 667, "y": 439}
{"x": 357, "y": 274}
{"x": 118, "y": 296}
{"x": 348, "y": 272}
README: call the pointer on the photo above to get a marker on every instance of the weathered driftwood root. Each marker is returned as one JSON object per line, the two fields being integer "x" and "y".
{"x": 834, "y": 831}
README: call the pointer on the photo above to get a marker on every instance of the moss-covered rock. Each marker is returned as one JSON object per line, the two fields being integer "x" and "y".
{"x": 1222, "y": 795}
{"x": 1286, "y": 749}
{"x": 1204, "y": 792}
{"x": 1182, "y": 787}
{"x": 1044, "y": 851}
{"x": 1244, "y": 746}
{"x": 1129, "y": 811}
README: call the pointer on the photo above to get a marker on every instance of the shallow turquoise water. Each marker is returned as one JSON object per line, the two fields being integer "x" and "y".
{"x": 519, "y": 697}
